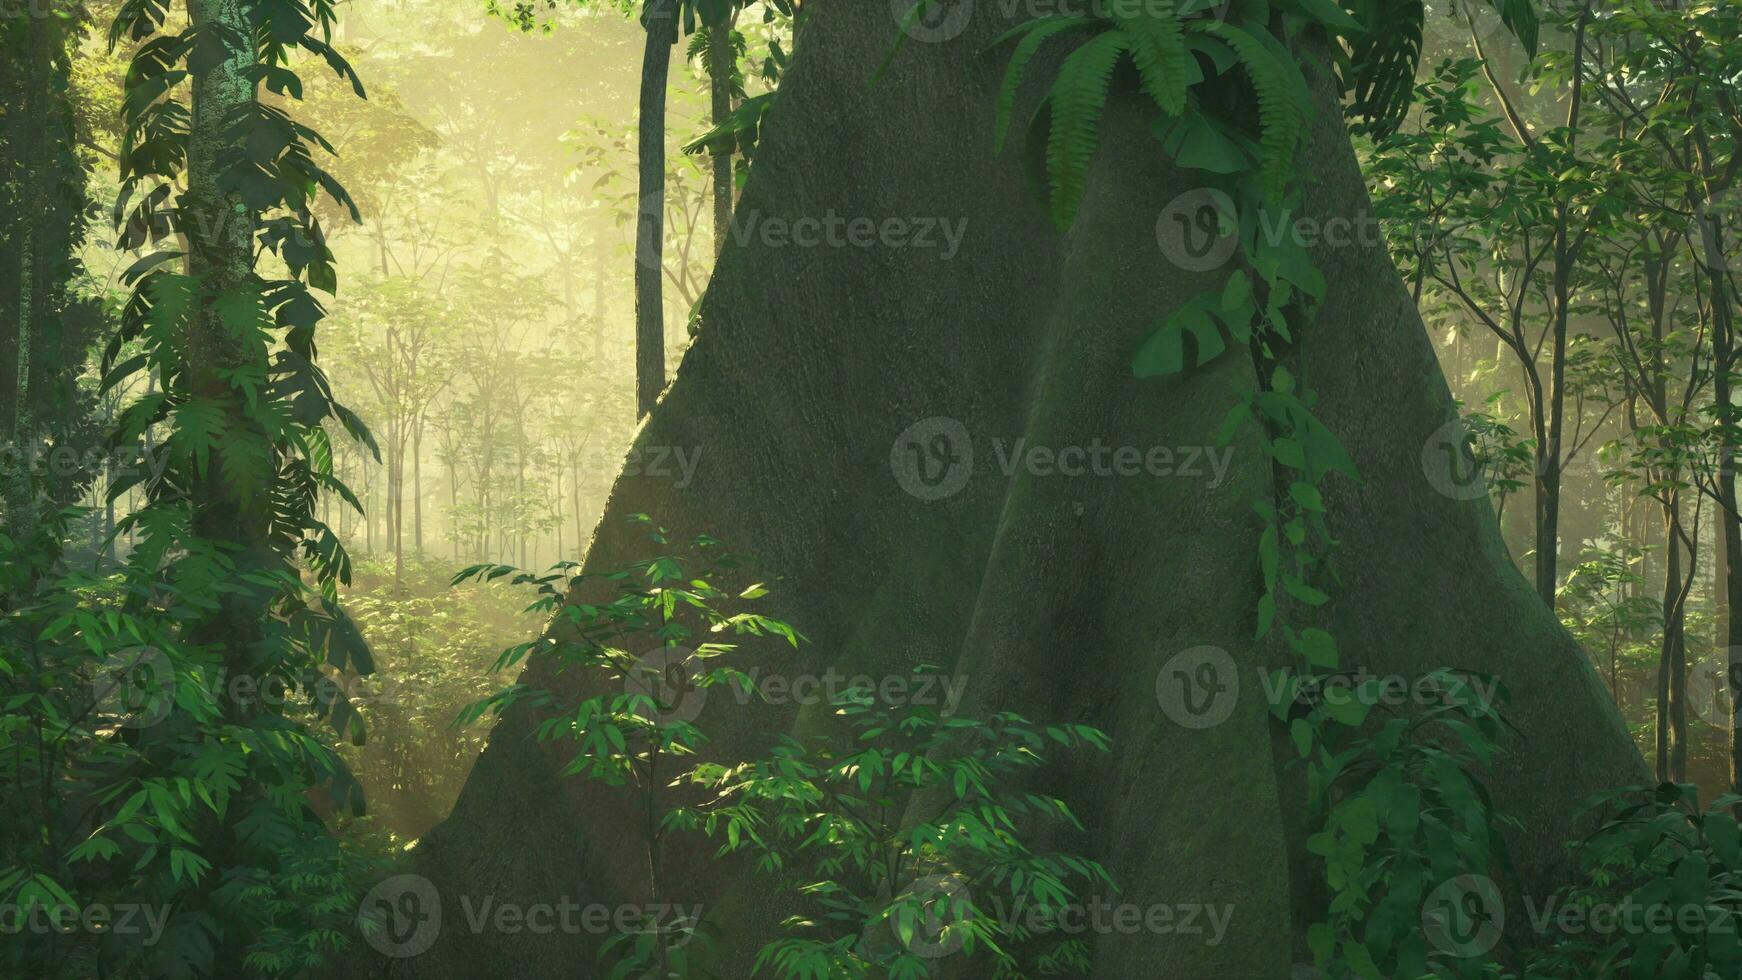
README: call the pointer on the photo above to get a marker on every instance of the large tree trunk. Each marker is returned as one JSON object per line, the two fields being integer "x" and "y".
{"x": 1058, "y": 598}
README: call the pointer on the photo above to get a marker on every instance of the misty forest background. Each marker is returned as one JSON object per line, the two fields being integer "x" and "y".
{"x": 486, "y": 335}
{"x": 485, "y": 331}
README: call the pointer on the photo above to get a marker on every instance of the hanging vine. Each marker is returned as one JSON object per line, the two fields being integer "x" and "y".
{"x": 187, "y": 773}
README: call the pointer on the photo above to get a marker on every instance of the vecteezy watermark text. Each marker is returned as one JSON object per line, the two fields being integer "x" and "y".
{"x": 834, "y": 230}
{"x": 403, "y": 916}
{"x": 934, "y": 459}
{"x": 120, "y": 919}
{"x": 1198, "y": 688}
{"x": 932, "y": 690}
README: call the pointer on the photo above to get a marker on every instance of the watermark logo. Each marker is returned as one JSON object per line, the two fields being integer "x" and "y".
{"x": 649, "y": 217}
{"x": 402, "y": 916}
{"x": 1199, "y": 687}
{"x": 675, "y": 463}
{"x": 932, "y": 21}
{"x": 1464, "y": 917}
{"x": 668, "y": 676}
{"x": 1706, "y": 690}
{"x": 1450, "y": 465}
{"x": 933, "y": 458}
{"x": 1207, "y": 922}
{"x": 929, "y": 916}
{"x": 135, "y": 687}
{"x": 1198, "y": 230}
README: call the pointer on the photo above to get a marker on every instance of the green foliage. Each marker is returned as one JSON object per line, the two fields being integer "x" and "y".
{"x": 1401, "y": 812}
{"x": 635, "y": 646}
{"x": 1075, "y": 102}
{"x": 160, "y": 726}
{"x": 1179, "y": 56}
{"x": 1192, "y": 335}
{"x": 890, "y": 890}
{"x": 1283, "y": 98}
{"x": 1504, "y": 460}
{"x": 887, "y": 893}
{"x": 49, "y": 318}
{"x": 427, "y": 640}
{"x": 1379, "y": 70}
{"x": 118, "y": 744}
{"x": 1668, "y": 875}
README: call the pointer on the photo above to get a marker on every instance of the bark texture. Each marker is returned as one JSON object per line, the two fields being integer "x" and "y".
{"x": 1057, "y": 597}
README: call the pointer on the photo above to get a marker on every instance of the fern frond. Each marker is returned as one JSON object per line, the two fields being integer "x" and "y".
{"x": 1034, "y": 34}
{"x": 1158, "y": 47}
{"x": 1078, "y": 98}
{"x": 1281, "y": 123}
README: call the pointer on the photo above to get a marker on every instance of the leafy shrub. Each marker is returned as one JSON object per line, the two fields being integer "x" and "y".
{"x": 891, "y": 895}
{"x": 1669, "y": 876}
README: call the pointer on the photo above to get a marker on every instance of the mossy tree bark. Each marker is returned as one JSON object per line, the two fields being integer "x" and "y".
{"x": 1060, "y": 598}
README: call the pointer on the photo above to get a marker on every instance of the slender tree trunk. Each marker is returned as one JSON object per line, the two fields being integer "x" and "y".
{"x": 25, "y": 136}
{"x": 16, "y": 78}
{"x": 394, "y": 525}
{"x": 368, "y": 507}
{"x": 1720, "y": 567}
{"x": 660, "y": 21}
{"x": 1672, "y": 716}
{"x": 417, "y": 486}
{"x": 1548, "y": 509}
{"x": 33, "y": 211}
{"x": 600, "y": 283}
{"x": 575, "y": 489}
{"x": 722, "y": 60}
{"x": 396, "y": 500}
{"x": 1566, "y": 257}
{"x": 1729, "y": 526}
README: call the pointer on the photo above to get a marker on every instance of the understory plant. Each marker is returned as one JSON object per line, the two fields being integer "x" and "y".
{"x": 1408, "y": 837}
{"x": 1661, "y": 894}
{"x": 893, "y": 893}
{"x": 645, "y": 670}
{"x": 909, "y": 834}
